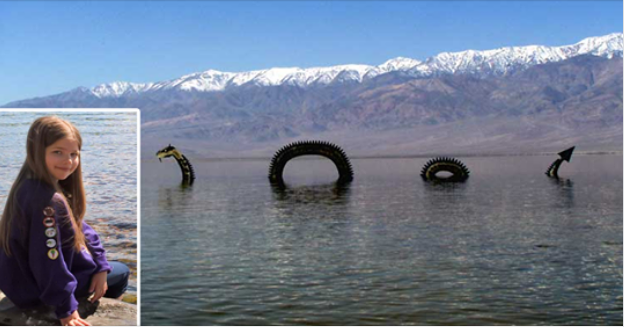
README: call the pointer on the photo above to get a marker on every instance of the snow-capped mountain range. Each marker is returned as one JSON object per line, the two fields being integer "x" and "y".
{"x": 501, "y": 61}
{"x": 514, "y": 99}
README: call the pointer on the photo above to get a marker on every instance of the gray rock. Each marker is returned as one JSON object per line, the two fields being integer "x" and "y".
{"x": 105, "y": 312}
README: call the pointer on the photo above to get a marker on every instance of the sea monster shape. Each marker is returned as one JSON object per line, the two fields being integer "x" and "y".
{"x": 553, "y": 169}
{"x": 458, "y": 170}
{"x": 188, "y": 174}
{"x": 301, "y": 148}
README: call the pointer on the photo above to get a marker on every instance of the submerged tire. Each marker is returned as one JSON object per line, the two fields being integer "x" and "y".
{"x": 302, "y": 148}
{"x": 458, "y": 170}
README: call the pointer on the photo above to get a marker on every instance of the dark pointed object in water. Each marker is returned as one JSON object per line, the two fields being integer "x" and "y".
{"x": 553, "y": 169}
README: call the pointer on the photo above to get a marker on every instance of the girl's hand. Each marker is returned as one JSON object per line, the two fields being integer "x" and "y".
{"x": 74, "y": 320}
{"x": 98, "y": 285}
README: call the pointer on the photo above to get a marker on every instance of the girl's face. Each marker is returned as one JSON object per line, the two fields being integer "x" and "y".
{"x": 62, "y": 158}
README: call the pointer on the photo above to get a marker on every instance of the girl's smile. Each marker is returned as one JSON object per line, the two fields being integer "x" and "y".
{"x": 62, "y": 158}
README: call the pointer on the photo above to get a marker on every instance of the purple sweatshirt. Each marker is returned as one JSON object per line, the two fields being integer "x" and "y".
{"x": 44, "y": 266}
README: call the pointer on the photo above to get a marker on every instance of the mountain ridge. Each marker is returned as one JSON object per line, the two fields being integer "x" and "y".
{"x": 497, "y": 62}
{"x": 540, "y": 107}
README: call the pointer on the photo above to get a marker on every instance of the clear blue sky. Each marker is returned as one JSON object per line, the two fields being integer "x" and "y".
{"x": 52, "y": 47}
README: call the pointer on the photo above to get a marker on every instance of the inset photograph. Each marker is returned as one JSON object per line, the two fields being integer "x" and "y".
{"x": 68, "y": 230}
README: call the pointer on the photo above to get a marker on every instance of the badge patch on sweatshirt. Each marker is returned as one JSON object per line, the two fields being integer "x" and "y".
{"x": 48, "y": 211}
{"x": 50, "y": 232}
{"x": 51, "y": 243}
{"x": 53, "y": 254}
{"x": 48, "y": 221}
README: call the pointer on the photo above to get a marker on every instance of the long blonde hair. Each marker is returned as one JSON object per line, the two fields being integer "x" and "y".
{"x": 44, "y": 132}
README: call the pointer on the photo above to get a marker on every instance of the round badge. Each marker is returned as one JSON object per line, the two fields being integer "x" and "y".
{"x": 50, "y": 232}
{"x": 51, "y": 243}
{"x": 53, "y": 254}
{"x": 48, "y": 221}
{"x": 48, "y": 211}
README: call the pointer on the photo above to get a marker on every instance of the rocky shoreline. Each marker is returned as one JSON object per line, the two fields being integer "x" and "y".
{"x": 105, "y": 312}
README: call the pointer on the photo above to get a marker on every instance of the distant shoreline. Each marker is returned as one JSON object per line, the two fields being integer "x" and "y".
{"x": 416, "y": 156}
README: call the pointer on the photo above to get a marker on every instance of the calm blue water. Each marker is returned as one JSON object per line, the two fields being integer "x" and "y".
{"x": 510, "y": 246}
{"x": 109, "y": 164}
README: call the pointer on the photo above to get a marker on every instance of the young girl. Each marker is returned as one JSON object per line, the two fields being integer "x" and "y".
{"x": 48, "y": 254}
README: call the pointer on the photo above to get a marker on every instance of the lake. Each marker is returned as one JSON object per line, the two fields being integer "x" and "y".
{"x": 109, "y": 167}
{"x": 509, "y": 246}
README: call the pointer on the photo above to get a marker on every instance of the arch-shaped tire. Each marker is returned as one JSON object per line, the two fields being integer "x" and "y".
{"x": 302, "y": 148}
{"x": 458, "y": 170}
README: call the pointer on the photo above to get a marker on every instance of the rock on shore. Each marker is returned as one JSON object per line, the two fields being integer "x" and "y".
{"x": 105, "y": 312}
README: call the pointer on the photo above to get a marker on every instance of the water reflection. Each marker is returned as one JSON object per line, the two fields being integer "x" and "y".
{"x": 564, "y": 192}
{"x": 174, "y": 197}
{"x": 327, "y": 202}
{"x": 444, "y": 195}
{"x": 444, "y": 187}
{"x": 329, "y": 194}
{"x": 388, "y": 250}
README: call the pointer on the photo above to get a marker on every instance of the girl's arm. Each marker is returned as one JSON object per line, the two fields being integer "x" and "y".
{"x": 56, "y": 282}
{"x": 98, "y": 281}
{"x": 95, "y": 247}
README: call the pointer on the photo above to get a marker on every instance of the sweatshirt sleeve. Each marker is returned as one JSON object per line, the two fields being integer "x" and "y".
{"x": 56, "y": 282}
{"x": 96, "y": 248}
